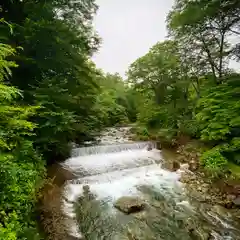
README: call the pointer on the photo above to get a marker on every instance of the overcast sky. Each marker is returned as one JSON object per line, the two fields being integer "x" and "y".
{"x": 128, "y": 29}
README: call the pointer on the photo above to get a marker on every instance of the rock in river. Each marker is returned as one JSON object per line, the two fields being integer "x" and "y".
{"x": 237, "y": 201}
{"x": 193, "y": 166}
{"x": 175, "y": 166}
{"x": 129, "y": 204}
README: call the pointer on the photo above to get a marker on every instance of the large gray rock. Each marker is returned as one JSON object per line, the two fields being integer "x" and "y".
{"x": 237, "y": 201}
{"x": 128, "y": 204}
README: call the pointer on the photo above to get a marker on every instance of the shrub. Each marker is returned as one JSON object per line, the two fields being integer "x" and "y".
{"x": 232, "y": 150}
{"x": 214, "y": 161}
{"x": 142, "y": 131}
{"x": 189, "y": 127}
{"x": 21, "y": 167}
{"x": 218, "y": 112}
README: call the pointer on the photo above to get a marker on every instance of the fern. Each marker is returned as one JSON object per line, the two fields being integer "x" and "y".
{"x": 5, "y": 65}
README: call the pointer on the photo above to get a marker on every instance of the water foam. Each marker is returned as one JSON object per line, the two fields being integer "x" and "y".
{"x": 109, "y": 162}
{"x": 113, "y": 171}
{"x": 93, "y": 150}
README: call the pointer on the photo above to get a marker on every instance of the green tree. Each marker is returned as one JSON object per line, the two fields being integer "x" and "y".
{"x": 185, "y": 83}
{"x": 112, "y": 101}
{"x": 57, "y": 40}
{"x": 204, "y": 27}
{"x": 54, "y": 75}
{"x": 21, "y": 167}
{"x": 159, "y": 75}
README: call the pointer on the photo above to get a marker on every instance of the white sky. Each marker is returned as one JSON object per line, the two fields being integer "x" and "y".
{"x": 128, "y": 29}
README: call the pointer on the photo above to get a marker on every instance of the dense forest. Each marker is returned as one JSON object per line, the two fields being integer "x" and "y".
{"x": 185, "y": 85}
{"x": 52, "y": 94}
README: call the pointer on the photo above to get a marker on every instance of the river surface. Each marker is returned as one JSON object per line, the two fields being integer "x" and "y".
{"x": 116, "y": 167}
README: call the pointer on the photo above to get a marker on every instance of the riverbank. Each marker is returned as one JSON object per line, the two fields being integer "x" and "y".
{"x": 52, "y": 219}
{"x": 223, "y": 190}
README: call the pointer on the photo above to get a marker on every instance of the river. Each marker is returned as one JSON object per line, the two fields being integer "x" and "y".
{"x": 115, "y": 167}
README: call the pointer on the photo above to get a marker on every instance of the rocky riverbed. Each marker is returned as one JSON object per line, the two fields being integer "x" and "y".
{"x": 222, "y": 191}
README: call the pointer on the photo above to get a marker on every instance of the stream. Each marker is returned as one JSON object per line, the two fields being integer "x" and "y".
{"x": 115, "y": 167}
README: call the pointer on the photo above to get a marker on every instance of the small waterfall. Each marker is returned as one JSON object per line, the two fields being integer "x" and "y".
{"x": 110, "y": 171}
{"x": 134, "y": 155}
{"x": 93, "y": 150}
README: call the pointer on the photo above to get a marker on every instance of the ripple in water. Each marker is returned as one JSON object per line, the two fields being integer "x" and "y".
{"x": 105, "y": 173}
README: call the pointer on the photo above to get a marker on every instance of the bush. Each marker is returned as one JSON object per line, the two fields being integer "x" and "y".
{"x": 20, "y": 179}
{"x": 153, "y": 116}
{"x": 142, "y": 131}
{"x": 219, "y": 110}
{"x": 189, "y": 127}
{"x": 214, "y": 161}
{"x": 232, "y": 150}
{"x": 21, "y": 167}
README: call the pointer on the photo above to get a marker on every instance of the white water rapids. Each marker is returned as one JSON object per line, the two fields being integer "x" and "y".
{"x": 118, "y": 167}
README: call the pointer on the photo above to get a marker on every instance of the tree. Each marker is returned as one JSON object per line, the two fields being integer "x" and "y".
{"x": 205, "y": 26}
{"x": 159, "y": 74}
{"x": 185, "y": 83}
{"x": 57, "y": 40}
{"x": 46, "y": 102}
{"x": 21, "y": 167}
{"x": 112, "y": 102}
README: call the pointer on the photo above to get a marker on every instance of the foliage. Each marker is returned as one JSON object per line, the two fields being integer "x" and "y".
{"x": 51, "y": 94}
{"x": 140, "y": 133}
{"x": 231, "y": 150}
{"x": 5, "y": 51}
{"x": 57, "y": 39}
{"x": 219, "y": 111}
{"x": 214, "y": 161}
{"x": 157, "y": 77}
{"x": 184, "y": 85}
{"x": 111, "y": 103}
{"x": 48, "y": 90}
{"x": 21, "y": 167}
{"x": 205, "y": 27}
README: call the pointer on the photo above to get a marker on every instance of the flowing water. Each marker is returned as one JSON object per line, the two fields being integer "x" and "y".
{"x": 117, "y": 167}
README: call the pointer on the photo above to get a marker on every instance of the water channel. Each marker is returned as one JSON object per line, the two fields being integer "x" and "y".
{"x": 116, "y": 167}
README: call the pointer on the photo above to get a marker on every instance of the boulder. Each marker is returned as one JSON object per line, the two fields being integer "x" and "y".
{"x": 86, "y": 188}
{"x": 193, "y": 166}
{"x": 188, "y": 178}
{"x": 231, "y": 197}
{"x": 185, "y": 178}
{"x": 158, "y": 145}
{"x": 130, "y": 235}
{"x": 236, "y": 201}
{"x": 149, "y": 148}
{"x": 128, "y": 204}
